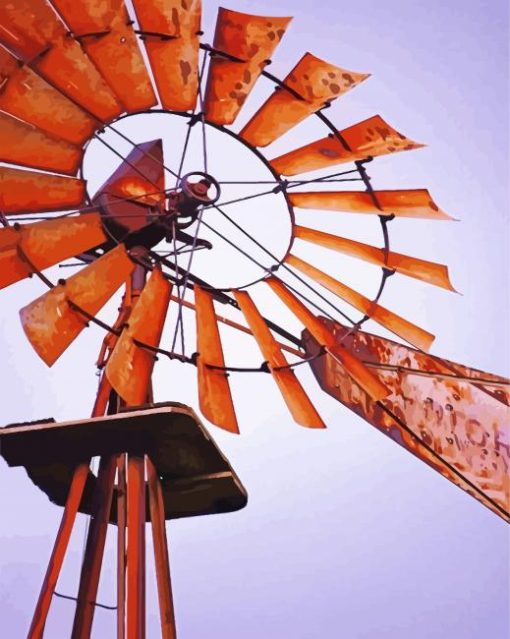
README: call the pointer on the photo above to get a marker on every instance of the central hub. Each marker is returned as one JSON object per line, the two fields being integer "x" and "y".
{"x": 138, "y": 210}
{"x": 131, "y": 174}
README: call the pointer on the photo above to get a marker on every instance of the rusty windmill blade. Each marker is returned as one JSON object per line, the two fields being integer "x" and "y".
{"x": 430, "y": 272}
{"x": 24, "y": 144}
{"x": 412, "y": 203}
{"x": 129, "y": 367}
{"x": 32, "y": 192}
{"x": 354, "y": 367}
{"x": 171, "y": 36}
{"x": 311, "y": 85}
{"x": 53, "y": 321}
{"x": 403, "y": 328}
{"x": 245, "y": 44}
{"x": 214, "y": 393}
{"x": 298, "y": 402}
{"x": 107, "y": 36}
{"x": 25, "y": 249}
{"x": 28, "y": 97}
{"x": 33, "y": 32}
{"x": 370, "y": 138}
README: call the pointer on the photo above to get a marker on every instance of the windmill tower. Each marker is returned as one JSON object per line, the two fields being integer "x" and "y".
{"x": 114, "y": 235}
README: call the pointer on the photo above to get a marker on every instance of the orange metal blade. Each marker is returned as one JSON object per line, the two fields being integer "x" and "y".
{"x": 32, "y": 192}
{"x": 107, "y": 36}
{"x": 52, "y": 324}
{"x": 129, "y": 367}
{"x": 251, "y": 40}
{"x": 410, "y": 332}
{"x": 298, "y": 402}
{"x": 312, "y": 83}
{"x": 33, "y": 31}
{"x": 27, "y": 96}
{"x": 415, "y": 203}
{"x": 370, "y": 138}
{"x": 213, "y": 388}
{"x": 174, "y": 61}
{"x": 44, "y": 244}
{"x": 21, "y": 143}
{"x": 27, "y": 27}
{"x": 356, "y": 369}
{"x": 429, "y": 272}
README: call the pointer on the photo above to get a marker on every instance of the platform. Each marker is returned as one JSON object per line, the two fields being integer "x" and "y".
{"x": 196, "y": 477}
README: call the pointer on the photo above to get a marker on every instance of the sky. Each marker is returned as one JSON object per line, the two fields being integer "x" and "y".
{"x": 345, "y": 534}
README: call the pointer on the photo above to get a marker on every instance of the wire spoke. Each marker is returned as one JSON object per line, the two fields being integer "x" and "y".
{"x": 179, "y": 326}
{"x": 284, "y": 266}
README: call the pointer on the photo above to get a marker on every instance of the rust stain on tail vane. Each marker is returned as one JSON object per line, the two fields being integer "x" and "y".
{"x": 370, "y": 138}
{"x": 32, "y": 192}
{"x": 312, "y": 84}
{"x": 248, "y": 43}
{"x": 444, "y": 413}
{"x": 33, "y": 32}
{"x": 413, "y": 203}
{"x": 106, "y": 34}
{"x": 171, "y": 35}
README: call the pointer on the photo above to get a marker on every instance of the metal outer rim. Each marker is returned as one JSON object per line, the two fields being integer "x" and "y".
{"x": 382, "y": 219}
{"x": 235, "y": 136}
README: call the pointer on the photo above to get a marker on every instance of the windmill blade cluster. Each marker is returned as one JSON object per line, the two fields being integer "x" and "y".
{"x": 68, "y": 69}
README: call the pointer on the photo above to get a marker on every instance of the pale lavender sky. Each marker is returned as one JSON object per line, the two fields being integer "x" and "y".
{"x": 345, "y": 535}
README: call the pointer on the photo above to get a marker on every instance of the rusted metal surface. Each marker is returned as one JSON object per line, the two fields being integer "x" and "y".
{"x": 365, "y": 378}
{"x": 106, "y": 34}
{"x": 34, "y": 33}
{"x": 121, "y": 544}
{"x": 135, "y": 575}
{"x": 430, "y": 272}
{"x": 27, "y": 96}
{"x": 196, "y": 478}
{"x": 413, "y": 203}
{"x": 52, "y": 321}
{"x": 214, "y": 393}
{"x": 248, "y": 43}
{"x": 130, "y": 366}
{"x": 161, "y": 558}
{"x": 32, "y": 192}
{"x": 440, "y": 416}
{"x": 43, "y": 244}
{"x": 371, "y": 138}
{"x": 316, "y": 84}
{"x": 171, "y": 36}
{"x": 403, "y": 328}
{"x": 298, "y": 402}
{"x": 73, "y": 500}
{"x": 143, "y": 166}
{"x": 94, "y": 550}
{"x": 24, "y": 144}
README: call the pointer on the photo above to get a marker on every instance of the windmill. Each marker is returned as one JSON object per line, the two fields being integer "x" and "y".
{"x": 120, "y": 225}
